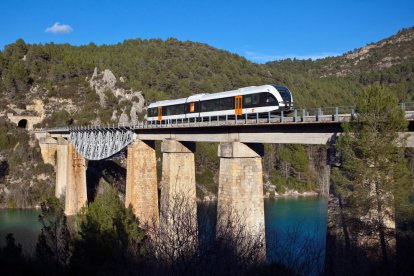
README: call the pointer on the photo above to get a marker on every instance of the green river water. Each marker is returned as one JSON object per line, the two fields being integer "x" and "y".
{"x": 301, "y": 219}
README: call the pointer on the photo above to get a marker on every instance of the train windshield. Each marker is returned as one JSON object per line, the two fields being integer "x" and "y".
{"x": 284, "y": 92}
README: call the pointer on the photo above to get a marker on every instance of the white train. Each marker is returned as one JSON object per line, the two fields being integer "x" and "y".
{"x": 248, "y": 100}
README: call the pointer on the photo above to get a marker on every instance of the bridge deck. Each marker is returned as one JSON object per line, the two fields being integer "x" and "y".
{"x": 104, "y": 141}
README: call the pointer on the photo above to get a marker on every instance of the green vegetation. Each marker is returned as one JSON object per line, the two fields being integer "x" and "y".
{"x": 289, "y": 168}
{"x": 22, "y": 171}
{"x": 207, "y": 163}
{"x": 109, "y": 238}
{"x": 373, "y": 179}
{"x": 58, "y": 118}
{"x": 8, "y": 135}
{"x": 54, "y": 244}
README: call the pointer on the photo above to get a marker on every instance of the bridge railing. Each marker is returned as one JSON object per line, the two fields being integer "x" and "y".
{"x": 407, "y": 106}
{"x": 299, "y": 115}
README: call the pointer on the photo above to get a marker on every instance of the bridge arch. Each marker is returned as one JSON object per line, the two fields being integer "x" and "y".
{"x": 98, "y": 145}
{"x": 22, "y": 123}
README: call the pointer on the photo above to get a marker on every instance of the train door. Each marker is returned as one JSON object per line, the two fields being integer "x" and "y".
{"x": 160, "y": 113}
{"x": 238, "y": 105}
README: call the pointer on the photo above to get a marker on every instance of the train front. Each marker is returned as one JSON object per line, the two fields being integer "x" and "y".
{"x": 287, "y": 98}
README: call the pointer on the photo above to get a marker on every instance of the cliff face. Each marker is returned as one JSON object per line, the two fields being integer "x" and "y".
{"x": 106, "y": 82}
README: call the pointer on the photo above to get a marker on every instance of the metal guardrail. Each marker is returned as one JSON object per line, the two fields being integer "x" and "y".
{"x": 300, "y": 115}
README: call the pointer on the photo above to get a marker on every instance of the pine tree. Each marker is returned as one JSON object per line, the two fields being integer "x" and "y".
{"x": 374, "y": 176}
{"x": 54, "y": 242}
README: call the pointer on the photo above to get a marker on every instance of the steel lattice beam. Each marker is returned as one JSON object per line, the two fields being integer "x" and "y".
{"x": 99, "y": 144}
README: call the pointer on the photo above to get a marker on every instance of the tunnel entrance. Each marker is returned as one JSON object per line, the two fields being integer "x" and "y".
{"x": 22, "y": 123}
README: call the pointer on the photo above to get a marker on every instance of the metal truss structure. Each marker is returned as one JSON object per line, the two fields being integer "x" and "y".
{"x": 99, "y": 144}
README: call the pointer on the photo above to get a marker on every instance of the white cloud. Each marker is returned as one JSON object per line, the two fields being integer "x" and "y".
{"x": 58, "y": 28}
{"x": 262, "y": 58}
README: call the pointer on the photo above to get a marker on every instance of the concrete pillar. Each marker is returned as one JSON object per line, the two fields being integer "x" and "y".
{"x": 178, "y": 206}
{"x": 76, "y": 196}
{"x": 240, "y": 193}
{"x": 141, "y": 182}
{"x": 61, "y": 167}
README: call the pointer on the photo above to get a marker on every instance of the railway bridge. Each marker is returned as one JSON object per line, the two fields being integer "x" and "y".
{"x": 240, "y": 148}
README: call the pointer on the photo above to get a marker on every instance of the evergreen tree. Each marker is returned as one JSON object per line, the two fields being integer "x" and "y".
{"x": 110, "y": 239}
{"x": 54, "y": 243}
{"x": 374, "y": 177}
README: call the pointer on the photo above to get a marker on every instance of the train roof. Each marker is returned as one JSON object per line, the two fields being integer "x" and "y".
{"x": 168, "y": 102}
{"x": 196, "y": 97}
{"x": 240, "y": 91}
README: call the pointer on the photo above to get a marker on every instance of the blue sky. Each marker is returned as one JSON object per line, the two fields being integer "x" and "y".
{"x": 259, "y": 30}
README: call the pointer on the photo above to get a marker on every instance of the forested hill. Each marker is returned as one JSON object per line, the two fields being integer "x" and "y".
{"x": 59, "y": 74}
{"x": 395, "y": 50}
{"x": 161, "y": 69}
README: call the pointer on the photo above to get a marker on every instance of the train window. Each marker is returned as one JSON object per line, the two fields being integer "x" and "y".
{"x": 252, "y": 100}
{"x": 152, "y": 112}
{"x": 256, "y": 99}
{"x": 191, "y": 107}
{"x": 226, "y": 104}
{"x": 217, "y": 104}
{"x": 173, "y": 110}
{"x": 247, "y": 100}
{"x": 284, "y": 92}
{"x": 204, "y": 106}
{"x": 270, "y": 98}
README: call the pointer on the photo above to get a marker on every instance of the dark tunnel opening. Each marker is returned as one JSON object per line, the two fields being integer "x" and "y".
{"x": 22, "y": 123}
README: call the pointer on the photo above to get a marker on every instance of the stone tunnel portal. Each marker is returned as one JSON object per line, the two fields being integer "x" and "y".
{"x": 22, "y": 123}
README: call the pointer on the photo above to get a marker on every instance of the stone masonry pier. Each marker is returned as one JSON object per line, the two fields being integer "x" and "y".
{"x": 76, "y": 196}
{"x": 178, "y": 206}
{"x": 141, "y": 182}
{"x": 178, "y": 176}
{"x": 240, "y": 191}
{"x": 62, "y": 156}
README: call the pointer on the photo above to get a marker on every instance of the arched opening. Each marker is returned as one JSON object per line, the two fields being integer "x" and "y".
{"x": 22, "y": 123}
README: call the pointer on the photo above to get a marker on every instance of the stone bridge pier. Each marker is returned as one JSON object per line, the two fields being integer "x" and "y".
{"x": 62, "y": 155}
{"x": 141, "y": 182}
{"x": 76, "y": 196}
{"x": 240, "y": 193}
{"x": 70, "y": 171}
{"x": 178, "y": 205}
{"x": 178, "y": 185}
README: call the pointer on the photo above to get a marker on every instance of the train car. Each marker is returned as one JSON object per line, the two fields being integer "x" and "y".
{"x": 247, "y": 100}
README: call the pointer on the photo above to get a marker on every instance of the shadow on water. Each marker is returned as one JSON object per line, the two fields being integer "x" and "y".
{"x": 25, "y": 226}
{"x": 295, "y": 231}
{"x": 292, "y": 226}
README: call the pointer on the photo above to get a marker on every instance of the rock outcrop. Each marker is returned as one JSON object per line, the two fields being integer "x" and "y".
{"x": 106, "y": 81}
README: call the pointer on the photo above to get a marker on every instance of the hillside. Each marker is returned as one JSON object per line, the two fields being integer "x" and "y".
{"x": 160, "y": 69}
{"x": 389, "y": 62}
{"x": 113, "y": 83}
